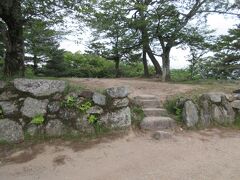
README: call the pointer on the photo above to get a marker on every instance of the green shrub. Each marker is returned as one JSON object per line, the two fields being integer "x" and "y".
{"x": 29, "y": 73}
{"x": 179, "y": 75}
{"x": 137, "y": 116}
{"x": 171, "y": 106}
{"x": 38, "y": 120}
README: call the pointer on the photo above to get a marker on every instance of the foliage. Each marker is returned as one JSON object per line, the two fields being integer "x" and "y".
{"x": 171, "y": 106}
{"x": 137, "y": 116}
{"x": 41, "y": 42}
{"x": 84, "y": 65}
{"x": 85, "y": 106}
{"x": 237, "y": 121}
{"x": 226, "y": 60}
{"x": 38, "y": 119}
{"x": 69, "y": 102}
{"x": 90, "y": 65}
{"x": 29, "y": 72}
{"x": 179, "y": 75}
{"x": 92, "y": 119}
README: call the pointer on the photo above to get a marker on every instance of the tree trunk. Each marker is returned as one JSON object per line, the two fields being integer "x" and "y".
{"x": 145, "y": 65}
{"x": 117, "y": 62}
{"x": 166, "y": 76}
{"x": 14, "y": 59}
{"x": 35, "y": 66}
{"x": 157, "y": 66}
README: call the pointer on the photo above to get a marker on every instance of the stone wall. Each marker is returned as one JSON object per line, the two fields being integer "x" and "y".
{"x": 46, "y": 107}
{"x": 211, "y": 108}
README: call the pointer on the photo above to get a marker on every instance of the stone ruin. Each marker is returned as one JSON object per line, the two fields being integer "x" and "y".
{"x": 211, "y": 108}
{"x": 60, "y": 112}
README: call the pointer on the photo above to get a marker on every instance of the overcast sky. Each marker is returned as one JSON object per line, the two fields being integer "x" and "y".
{"x": 178, "y": 56}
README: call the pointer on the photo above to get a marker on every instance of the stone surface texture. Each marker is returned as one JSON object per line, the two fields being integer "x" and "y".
{"x": 39, "y": 87}
{"x": 120, "y": 118}
{"x": 33, "y": 107}
{"x": 99, "y": 99}
{"x": 55, "y": 128}
{"x": 9, "y": 108}
{"x": 118, "y": 103}
{"x": 190, "y": 114}
{"x": 118, "y": 92}
{"x": 10, "y": 131}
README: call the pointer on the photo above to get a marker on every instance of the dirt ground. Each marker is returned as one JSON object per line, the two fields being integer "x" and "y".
{"x": 189, "y": 155}
{"x": 136, "y": 86}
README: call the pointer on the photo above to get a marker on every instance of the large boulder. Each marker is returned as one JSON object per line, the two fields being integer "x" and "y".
{"x": 32, "y": 107}
{"x": 215, "y": 97}
{"x": 55, "y": 128}
{"x": 190, "y": 114}
{"x": 222, "y": 115}
{"x": 216, "y": 107}
{"x": 118, "y": 103}
{"x": 205, "y": 113}
{"x": 10, "y": 131}
{"x": 40, "y": 87}
{"x": 118, "y": 119}
{"x": 9, "y": 108}
{"x": 118, "y": 92}
{"x": 236, "y": 104}
{"x": 99, "y": 99}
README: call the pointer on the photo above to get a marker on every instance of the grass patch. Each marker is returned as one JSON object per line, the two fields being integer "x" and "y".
{"x": 173, "y": 109}
{"x": 137, "y": 116}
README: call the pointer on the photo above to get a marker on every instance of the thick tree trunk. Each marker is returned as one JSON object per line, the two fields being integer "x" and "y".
{"x": 35, "y": 65}
{"x": 156, "y": 64}
{"x": 166, "y": 76}
{"x": 117, "y": 62}
{"x": 144, "y": 52}
{"x": 145, "y": 65}
{"x": 147, "y": 49}
{"x": 14, "y": 59}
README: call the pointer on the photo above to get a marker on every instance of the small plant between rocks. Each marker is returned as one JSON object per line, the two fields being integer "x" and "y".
{"x": 137, "y": 116}
{"x": 38, "y": 120}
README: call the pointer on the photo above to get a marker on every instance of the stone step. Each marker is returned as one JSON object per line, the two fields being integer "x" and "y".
{"x": 154, "y": 112}
{"x": 150, "y": 104}
{"x": 145, "y": 97}
{"x": 159, "y": 135}
{"x": 157, "y": 123}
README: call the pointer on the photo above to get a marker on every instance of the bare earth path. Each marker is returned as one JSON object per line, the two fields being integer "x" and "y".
{"x": 200, "y": 155}
{"x": 136, "y": 86}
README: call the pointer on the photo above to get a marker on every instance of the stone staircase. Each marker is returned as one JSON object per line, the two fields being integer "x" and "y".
{"x": 156, "y": 117}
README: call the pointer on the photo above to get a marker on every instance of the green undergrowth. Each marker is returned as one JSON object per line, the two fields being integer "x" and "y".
{"x": 137, "y": 116}
{"x": 236, "y": 123}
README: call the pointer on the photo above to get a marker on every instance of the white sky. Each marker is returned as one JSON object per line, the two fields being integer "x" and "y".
{"x": 178, "y": 56}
